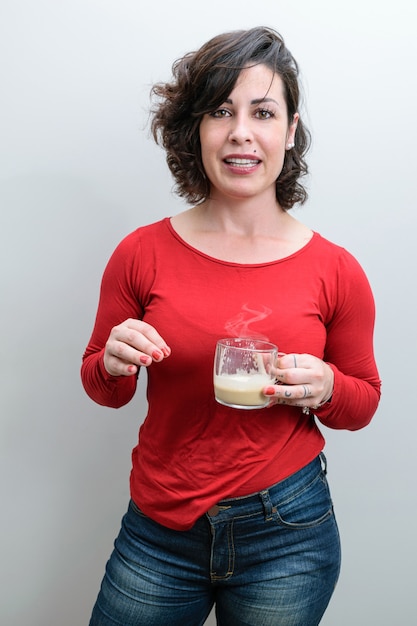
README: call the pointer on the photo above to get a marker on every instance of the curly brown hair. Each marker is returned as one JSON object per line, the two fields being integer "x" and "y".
{"x": 201, "y": 82}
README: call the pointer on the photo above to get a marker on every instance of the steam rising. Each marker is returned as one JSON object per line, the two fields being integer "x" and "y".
{"x": 240, "y": 325}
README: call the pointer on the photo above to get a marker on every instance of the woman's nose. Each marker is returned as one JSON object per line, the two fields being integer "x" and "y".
{"x": 240, "y": 131}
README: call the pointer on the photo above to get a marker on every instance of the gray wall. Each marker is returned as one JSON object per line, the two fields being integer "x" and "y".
{"x": 79, "y": 171}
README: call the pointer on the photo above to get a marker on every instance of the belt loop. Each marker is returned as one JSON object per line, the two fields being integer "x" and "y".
{"x": 323, "y": 462}
{"x": 267, "y": 504}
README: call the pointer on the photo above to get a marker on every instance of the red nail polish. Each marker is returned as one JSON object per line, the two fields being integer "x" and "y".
{"x": 131, "y": 368}
{"x": 143, "y": 360}
{"x": 166, "y": 351}
{"x": 156, "y": 355}
{"x": 269, "y": 391}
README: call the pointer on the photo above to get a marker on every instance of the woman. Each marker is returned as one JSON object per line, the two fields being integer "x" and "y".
{"x": 230, "y": 507}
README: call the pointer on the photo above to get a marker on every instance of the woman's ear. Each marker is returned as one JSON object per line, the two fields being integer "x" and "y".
{"x": 291, "y": 131}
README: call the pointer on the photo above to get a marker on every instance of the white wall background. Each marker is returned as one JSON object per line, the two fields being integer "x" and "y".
{"x": 79, "y": 171}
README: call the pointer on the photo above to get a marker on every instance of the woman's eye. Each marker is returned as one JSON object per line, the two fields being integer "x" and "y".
{"x": 220, "y": 113}
{"x": 264, "y": 114}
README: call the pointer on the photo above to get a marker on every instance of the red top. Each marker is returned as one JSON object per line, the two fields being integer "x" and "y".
{"x": 192, "y": 451}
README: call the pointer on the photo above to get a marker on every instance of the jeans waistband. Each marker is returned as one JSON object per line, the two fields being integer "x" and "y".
{"x": 280, "y": 490}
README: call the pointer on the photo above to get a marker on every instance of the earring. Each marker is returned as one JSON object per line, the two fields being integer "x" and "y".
{"x": 290, "y": 146}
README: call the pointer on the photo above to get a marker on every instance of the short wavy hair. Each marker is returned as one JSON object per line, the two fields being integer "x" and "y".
{"x": 201, "y": 82}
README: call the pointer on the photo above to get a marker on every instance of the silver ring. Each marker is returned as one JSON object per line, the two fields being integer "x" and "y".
{"x": 306, "y": 410}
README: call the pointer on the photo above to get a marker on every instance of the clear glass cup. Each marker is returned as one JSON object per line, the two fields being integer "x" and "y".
{"x": 242, "y": 368}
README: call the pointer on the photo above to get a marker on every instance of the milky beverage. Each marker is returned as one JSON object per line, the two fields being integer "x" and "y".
{"x": 242, "y": 389}
{"x": 242, "y": 368}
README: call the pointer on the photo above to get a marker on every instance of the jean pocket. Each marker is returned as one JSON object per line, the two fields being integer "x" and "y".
{"x": 307, "y": 507}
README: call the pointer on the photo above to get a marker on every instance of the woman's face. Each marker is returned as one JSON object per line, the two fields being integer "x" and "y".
{"x": 243, "y": 142}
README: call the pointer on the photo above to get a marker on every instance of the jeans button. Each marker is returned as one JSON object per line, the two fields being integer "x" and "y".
{"x": 214, "y": 510}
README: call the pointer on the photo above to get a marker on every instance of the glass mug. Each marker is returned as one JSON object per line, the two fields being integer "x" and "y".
{"x": 242, "y": 368}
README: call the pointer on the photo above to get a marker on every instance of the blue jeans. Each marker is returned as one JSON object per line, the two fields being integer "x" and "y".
{"x": 269, "y": 559}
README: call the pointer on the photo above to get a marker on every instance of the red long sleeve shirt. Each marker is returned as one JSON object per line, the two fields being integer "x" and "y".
{"x": 192, "y": 451}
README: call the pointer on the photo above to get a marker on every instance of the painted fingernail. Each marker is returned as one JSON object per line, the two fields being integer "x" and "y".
{"x": 156, "y": 355}
{"x": 144, "y": 359}
{"x": 131, "y": 369}
{"x": 166, "y": 351}
{"x": 269, "y": 391}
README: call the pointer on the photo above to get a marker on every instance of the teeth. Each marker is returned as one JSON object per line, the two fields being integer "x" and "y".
{"x": 242, "y": 161}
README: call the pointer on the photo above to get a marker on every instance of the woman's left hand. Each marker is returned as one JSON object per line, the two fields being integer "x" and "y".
{"x": 302, "y": 380}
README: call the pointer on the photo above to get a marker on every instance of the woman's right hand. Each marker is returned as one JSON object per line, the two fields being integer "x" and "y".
{"x": 131, "y": 344}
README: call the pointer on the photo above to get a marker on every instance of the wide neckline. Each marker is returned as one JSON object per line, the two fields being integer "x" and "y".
{"x": 183, "y": 242}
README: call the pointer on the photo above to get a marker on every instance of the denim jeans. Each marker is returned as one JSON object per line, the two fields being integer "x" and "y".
{"x": 269, "y": 559}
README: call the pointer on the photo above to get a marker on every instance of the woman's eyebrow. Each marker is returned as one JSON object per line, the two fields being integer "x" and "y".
{"x": 255, "y": 101}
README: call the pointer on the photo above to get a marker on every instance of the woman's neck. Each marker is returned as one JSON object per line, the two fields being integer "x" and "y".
{"x": 248, "y": 234}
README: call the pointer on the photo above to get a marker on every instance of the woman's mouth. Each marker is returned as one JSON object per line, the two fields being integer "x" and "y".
{"x": 239, "y": 162}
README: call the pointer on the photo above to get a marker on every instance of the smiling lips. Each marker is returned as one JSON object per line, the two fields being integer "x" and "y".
{"x": 243, "y": 163}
